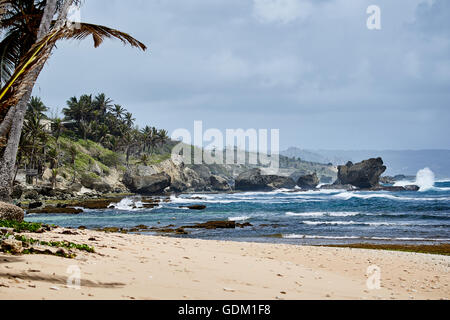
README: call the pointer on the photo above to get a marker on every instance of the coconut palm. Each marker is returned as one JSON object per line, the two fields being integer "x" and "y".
{"x": 147, "y": 137}
{"x": 102, "y": 104}
{"x": 73, "y": 152}
{"x": 19, "y": 37}
{"x": 118, "y": 111}
{"x": 163, "y": 137}
{"x": 129, "y": 120}
{"x": 57, "y": 129}
{"x": 128, "y": 140}
{"x": 37, "y": 107}
{"x": 16, "y": 93}
{"x": 34, "y": 132}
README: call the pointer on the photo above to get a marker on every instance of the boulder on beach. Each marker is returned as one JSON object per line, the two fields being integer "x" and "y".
{"x": 364, "y": 175}
{"x": 11, "y": 212}
{"x": 254, "y": 180}
{"x": 308, "y": 182}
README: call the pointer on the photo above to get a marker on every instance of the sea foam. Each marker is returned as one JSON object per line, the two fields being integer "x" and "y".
{"x": 243, "y": 218}
{"x": 425, "y": 180}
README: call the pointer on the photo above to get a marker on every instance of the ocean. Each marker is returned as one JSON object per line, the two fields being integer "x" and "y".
{"x": 282, "y": 216}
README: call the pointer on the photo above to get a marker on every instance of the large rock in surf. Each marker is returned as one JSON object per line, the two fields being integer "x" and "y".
{"x": 279, "y": 182}
{"x": 308, "y": 182}
{"x": 219, "y": 184}
{"x": 254, "y": 180}
{"x": 147, "y": 184}
{"x": 10, "y": 212}
{"x": 251, "y": 180}
{"x": 396, "y": 189}
{"x": 364, "y": 175}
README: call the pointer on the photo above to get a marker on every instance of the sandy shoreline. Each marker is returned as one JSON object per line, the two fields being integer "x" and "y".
{"x": 147, "y": 267}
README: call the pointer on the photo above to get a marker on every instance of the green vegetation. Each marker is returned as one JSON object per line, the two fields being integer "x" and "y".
{"x": 94, "y": 137}
{"x": 56, "y": 244}
{"x": 22, "y": 226}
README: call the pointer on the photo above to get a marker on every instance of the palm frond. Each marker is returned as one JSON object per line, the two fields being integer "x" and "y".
{"x": 9, "y": 56}
{"x": 99, "y": 34}
{"x": 36, "y": 57}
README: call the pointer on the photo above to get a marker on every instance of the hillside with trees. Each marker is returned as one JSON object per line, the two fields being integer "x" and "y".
{"x": 93, "y": 138}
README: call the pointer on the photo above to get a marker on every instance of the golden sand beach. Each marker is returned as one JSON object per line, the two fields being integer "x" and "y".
{"x": 138, "y": 267}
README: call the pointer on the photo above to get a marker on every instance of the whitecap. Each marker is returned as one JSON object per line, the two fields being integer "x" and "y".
{"x": 127, "y": 204}
{"x": 425, "y": 180}
{"x": 305, "y": 214}
{"x": 316, "y": 223}
{"x": 320, "y": 214}
{"x": 243, "y": 218}
{"x": 350, "y": 195}
{"x": 298, "y": 236}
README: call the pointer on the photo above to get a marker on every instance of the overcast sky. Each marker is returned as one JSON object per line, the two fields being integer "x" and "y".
{"x": 309, "y": 68}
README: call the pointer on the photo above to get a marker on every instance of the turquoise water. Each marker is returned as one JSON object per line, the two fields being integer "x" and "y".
{"x": 314, "y": 217}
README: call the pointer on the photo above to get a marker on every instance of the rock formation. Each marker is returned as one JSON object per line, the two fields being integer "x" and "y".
{"x": 147, "y": 184}
{"x": 308, "y": 182}
{"x": 364, "y": 175}
{"x": 219, "y": 184}
{"x": 11, "y": 212}
{"x": 254, "y": 180}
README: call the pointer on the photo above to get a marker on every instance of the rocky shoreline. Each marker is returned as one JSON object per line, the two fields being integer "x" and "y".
{"x": 155, "y": 184}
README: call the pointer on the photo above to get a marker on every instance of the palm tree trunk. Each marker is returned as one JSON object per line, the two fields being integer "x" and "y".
{"x": 74, "y": 172}
{"x": 5, "y": 126}
{"x": 9, "y": 157}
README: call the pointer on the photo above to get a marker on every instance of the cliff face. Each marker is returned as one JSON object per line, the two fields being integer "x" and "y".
{"x": 180, "y": 178}
{"x": 97, "y": 170}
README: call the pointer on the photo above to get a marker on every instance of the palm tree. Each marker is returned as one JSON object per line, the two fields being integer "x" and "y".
{"x": 57, "y": 129}
{"x": 144, "y": 159}
{"x": 17, "y": 90}
{"x": 154, "y": 140}
{"x": 128, "y": 141}
{"x": 18, "y": 37}
{"x": 102, "y": 104}
{"x": 73, "y": 151}
{"x": 163, "y": 136}
{"x": 147, "y": 136}
{"x": 129, "y": 120}
{"x": 53, "y": 156}
{"x": 112, "y": 142}
{"x": 37, "y": 106}
{"x": 74, "y": 110}
{"x": 54, "y": 178}
{"x": 34, "y": 130}
{"x": 118, "y": 111}
{"x": 22, "y": 23}
{"x": 86, "y": 129}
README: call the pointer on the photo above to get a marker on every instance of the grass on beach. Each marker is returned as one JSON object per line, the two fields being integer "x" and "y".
{"x": 439, "y": 249}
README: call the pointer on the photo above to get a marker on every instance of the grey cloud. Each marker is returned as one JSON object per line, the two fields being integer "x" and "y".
{"x": 319, "y": 79}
